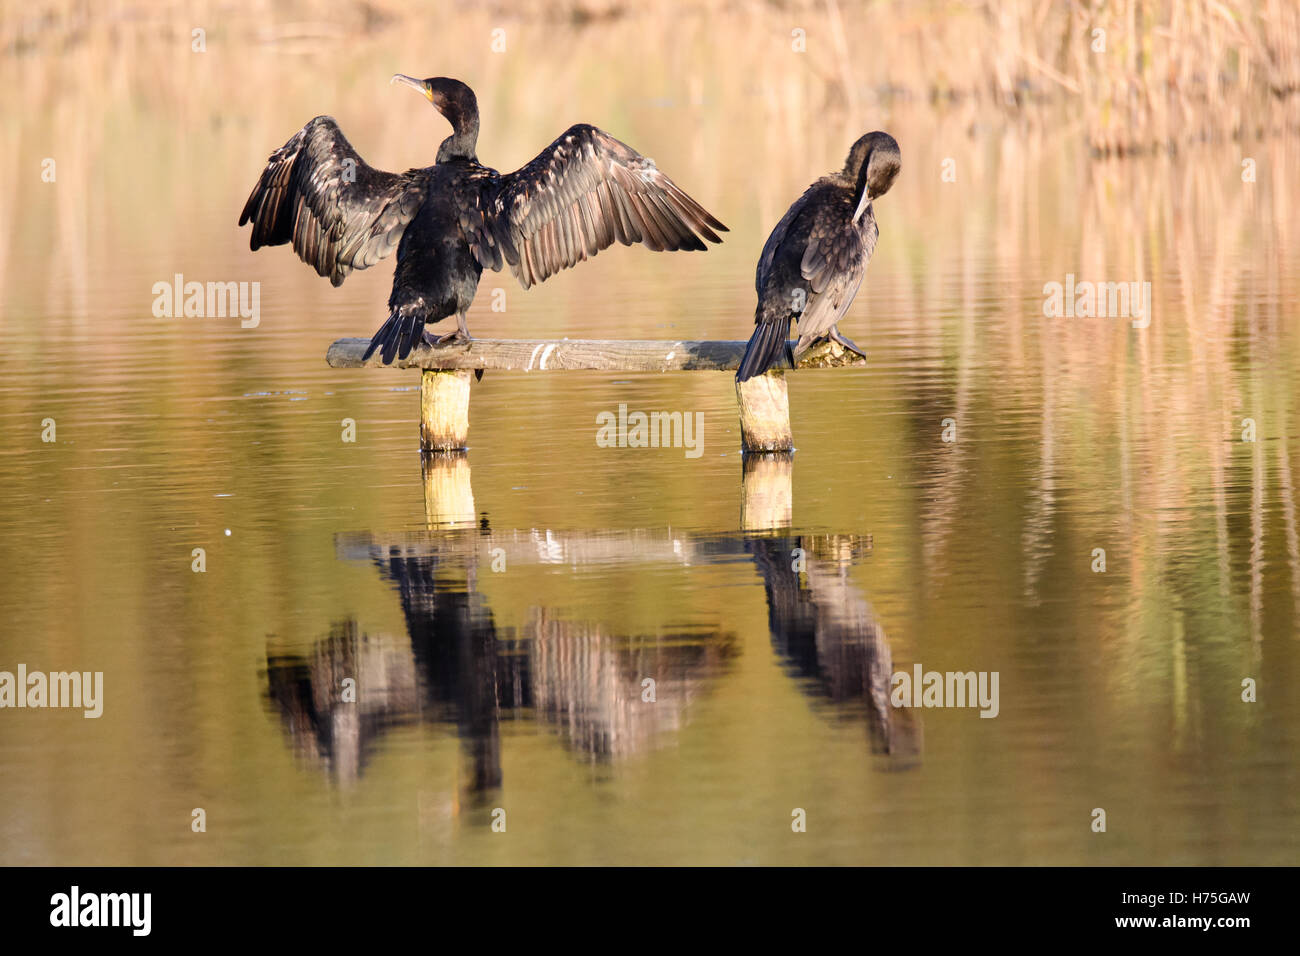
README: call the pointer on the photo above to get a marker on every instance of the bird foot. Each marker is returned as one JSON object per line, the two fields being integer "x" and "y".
{"x": 451, "y": 338}
{"x": 844, "y": 340}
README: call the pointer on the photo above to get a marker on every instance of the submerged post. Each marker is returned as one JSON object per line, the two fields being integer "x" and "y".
{"x": 444, "y": 409}
{"x": 765, "y": 413}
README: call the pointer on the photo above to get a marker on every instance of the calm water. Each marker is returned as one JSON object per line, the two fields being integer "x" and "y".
{"x": 520, "y": 686}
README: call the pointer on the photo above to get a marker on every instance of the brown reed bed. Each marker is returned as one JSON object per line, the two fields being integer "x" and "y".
{"x": 1139, "y": 75}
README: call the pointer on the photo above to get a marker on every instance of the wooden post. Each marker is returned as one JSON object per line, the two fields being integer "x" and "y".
{"x": 448, "y": 494}
{"x": 444, "y": 409}
{"x": 767, "y": 498}
{"x": 765, "y": 413}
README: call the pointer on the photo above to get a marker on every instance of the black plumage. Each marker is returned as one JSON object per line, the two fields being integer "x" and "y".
{"x": 451, "y": 220}
{"x": 814, "y": 260}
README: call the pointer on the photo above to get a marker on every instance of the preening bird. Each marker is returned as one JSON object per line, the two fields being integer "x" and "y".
{"x": 814, "y": 260}
{"x": 451, "y": 220}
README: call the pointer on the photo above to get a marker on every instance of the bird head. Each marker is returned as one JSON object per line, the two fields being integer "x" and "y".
{"x": 454, "y": 100}
{"x": 873, "y": 163}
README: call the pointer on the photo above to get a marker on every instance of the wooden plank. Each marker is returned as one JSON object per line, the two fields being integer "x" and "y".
{"x": 532, "y": 546}
{"x": 574, "y": 549}
{"x": 567, "y": 355}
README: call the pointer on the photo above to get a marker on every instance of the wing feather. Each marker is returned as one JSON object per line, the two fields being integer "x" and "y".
{"x": 581, "y": 194}
{"x": 834, "y": 263}
{"x": 338, "y": 212}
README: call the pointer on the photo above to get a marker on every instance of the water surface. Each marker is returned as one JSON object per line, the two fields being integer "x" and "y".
{"x": 523, "y": 688}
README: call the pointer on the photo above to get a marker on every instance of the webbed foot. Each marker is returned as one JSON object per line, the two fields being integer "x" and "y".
{"x": 451, "y": 338}
{"x": 838, "y": 336}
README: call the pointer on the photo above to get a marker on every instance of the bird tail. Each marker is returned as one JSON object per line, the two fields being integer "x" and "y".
{"x": 764, "y": 349}
{"x": 401, "y": 333}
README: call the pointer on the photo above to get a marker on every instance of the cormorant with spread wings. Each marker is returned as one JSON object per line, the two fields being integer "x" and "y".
{"x": 451, "y": 220}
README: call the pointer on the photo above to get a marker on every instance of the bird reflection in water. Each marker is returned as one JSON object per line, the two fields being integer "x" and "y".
{"x": 582, "y": 678}
{"x": 308, "y": 691}
{"x": 828, "y": 636}
{"x": 464, "y": 670}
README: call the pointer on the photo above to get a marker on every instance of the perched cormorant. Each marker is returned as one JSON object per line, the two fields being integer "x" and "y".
{"x": 815, "y": 258}
{"x": 451, "y": 220}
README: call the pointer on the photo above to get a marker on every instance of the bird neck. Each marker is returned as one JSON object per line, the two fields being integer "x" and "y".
{"x": 461, "y": 143}
{"x": 861, "y": 186}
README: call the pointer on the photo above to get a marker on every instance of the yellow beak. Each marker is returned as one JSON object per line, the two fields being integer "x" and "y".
{"x": 413, "y": 83}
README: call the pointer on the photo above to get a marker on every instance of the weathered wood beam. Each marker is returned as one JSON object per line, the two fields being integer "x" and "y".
{"x": 568, "y": 355}
{"x": 532, "y": 546}
{"x": 564, "y": 547}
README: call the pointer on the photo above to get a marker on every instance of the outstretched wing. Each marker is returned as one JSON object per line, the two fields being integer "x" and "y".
{"x": 834, "y": 262}
{"x": 580, "y": 194}
{"x": 340, "y": 213}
